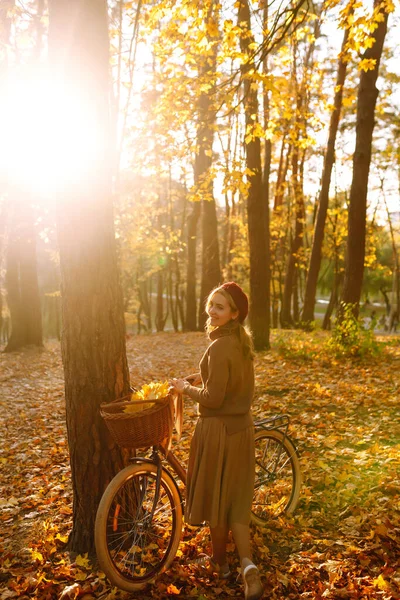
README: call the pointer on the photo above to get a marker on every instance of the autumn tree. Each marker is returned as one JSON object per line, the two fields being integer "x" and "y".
{"x": 93, "y": 336}
{"x": 203, "y": 176}
{"x": 256, "y": 207}
{"x": 307, "y": 315}
{"x": 366, "y": 101}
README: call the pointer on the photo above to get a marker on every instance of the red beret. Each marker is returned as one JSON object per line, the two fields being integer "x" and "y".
{"x": 239, "y": 297}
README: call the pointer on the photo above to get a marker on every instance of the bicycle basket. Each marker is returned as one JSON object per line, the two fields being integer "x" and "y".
{"x": 142, "y": 429}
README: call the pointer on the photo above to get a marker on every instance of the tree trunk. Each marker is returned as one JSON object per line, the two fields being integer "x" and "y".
{"x": 210, "y": 262}
{"x": 266, "y": 183}
{"x": 22, "y": 281}
{"x": 191, "y": 304}
{"x": 333, "y": 300}
{"x": 290, "y": 275}
{"x": 160, "y": 319}
{"x": 323, "y": 201}
{"x": 210, "y": 271}
{"x": 93, "y": 336}
{"x": 366, "y": 102}
{"x": 256, "y": 208}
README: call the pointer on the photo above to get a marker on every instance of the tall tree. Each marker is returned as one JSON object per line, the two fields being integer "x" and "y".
{"x": 366, "y": 102}
{"x": 323, "y": 201}
{"x": 93, "y": 336}
{"x": 266, "y": 173}
{"x": 210, "y": 263}
{"x": 256, "y": 205}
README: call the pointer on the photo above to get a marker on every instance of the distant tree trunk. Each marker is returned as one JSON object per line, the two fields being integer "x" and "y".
{"x": 22, "y": 281}
{"x": 93, "y": 336}
{"x": 160, "y": 319}
{"x": 323, "y": 200}
{"x": 210, "y": 263}
{"x": 191, "y": 303}
{"x": 256, "y": 208}
{"x": 386, "y": 299}
{"x": 144, "y": 292}
{"x": 366, "y": 102}
{"x": 290, "y": 276}
{"x": 210, "y": 271}
{"x": 333, "y": 300}
{"x": 278, "y": 242}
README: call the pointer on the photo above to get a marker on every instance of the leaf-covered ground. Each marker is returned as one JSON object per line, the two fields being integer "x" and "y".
{"x": 342, "y": 542}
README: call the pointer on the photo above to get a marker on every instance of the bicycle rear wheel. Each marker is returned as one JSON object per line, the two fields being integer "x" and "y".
{"x": 134, "y": 544}
{"x": 278, "y": 476}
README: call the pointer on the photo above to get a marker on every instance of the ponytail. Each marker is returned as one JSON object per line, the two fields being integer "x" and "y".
{"x": 246, "y": 342}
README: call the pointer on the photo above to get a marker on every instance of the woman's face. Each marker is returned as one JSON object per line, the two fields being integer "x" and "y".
{"x": 219, "y": 310}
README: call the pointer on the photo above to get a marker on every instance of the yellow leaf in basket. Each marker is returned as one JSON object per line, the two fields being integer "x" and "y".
{"x": 152, "y": 391}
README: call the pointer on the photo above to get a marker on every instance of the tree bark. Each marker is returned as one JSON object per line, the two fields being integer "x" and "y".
{"x": 210, "y": 262}
{"x": 256, "y": 208}
{"x": 366, "y": 102}
{"x": 93, "y": 336}
{"x": 307, "y": 315}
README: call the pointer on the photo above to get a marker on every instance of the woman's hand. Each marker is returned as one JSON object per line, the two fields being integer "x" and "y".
{"x": 178, "y": 385}
{"x": 194, "y": 379}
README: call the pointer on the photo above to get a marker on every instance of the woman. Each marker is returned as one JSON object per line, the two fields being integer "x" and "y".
{"x": 222, "y": 458}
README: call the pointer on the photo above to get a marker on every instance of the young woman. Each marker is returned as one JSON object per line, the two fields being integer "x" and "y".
{"x": 222, "y": 457}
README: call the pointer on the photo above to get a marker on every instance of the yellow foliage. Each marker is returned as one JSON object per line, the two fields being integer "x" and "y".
{"x": 367, "y": 64}
{"x": 212, "y": 28}
{"x": 380, "y": 583}
{"x": 83, "y": 561}
{"x": 148, "y": 392}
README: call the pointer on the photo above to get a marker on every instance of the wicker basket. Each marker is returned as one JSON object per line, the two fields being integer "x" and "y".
{"x": 142, "y": 429}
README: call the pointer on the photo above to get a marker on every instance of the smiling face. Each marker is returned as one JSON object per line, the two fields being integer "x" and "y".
{"x": 219, "y": 310}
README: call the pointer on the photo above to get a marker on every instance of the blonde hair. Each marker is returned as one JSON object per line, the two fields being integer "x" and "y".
{"x": 245, "y": 336}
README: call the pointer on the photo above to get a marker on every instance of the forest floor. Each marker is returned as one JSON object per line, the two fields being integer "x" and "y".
{"x": 343, "y": 540}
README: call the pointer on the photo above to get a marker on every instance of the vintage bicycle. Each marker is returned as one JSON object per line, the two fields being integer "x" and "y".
{"x": 139, "y": 520}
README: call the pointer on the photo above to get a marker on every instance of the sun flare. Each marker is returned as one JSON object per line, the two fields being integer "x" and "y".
{"x": 50, "y": 135}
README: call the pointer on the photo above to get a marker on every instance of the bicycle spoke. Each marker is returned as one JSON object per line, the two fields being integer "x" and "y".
{"x": 137, "y": 530}
{"x": 274, "y": 482}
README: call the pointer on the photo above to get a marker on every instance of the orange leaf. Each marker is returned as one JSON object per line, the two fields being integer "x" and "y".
{"x": 172, "y": 590}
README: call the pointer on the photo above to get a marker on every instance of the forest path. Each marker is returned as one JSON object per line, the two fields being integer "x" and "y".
{"x": 342, "y": 542}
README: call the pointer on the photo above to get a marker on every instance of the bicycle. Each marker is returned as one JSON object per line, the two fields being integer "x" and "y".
{"x": 140, "y": 516}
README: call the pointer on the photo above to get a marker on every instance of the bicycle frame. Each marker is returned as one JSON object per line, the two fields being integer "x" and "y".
{"x": 156, "y": 460}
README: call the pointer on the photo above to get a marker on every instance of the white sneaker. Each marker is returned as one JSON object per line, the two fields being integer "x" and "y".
{"x": 253, "y": 589}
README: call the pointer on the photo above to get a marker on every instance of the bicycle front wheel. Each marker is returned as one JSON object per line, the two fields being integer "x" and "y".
{"x": 278, "y": 476}
{"x": 136, "y": 533}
